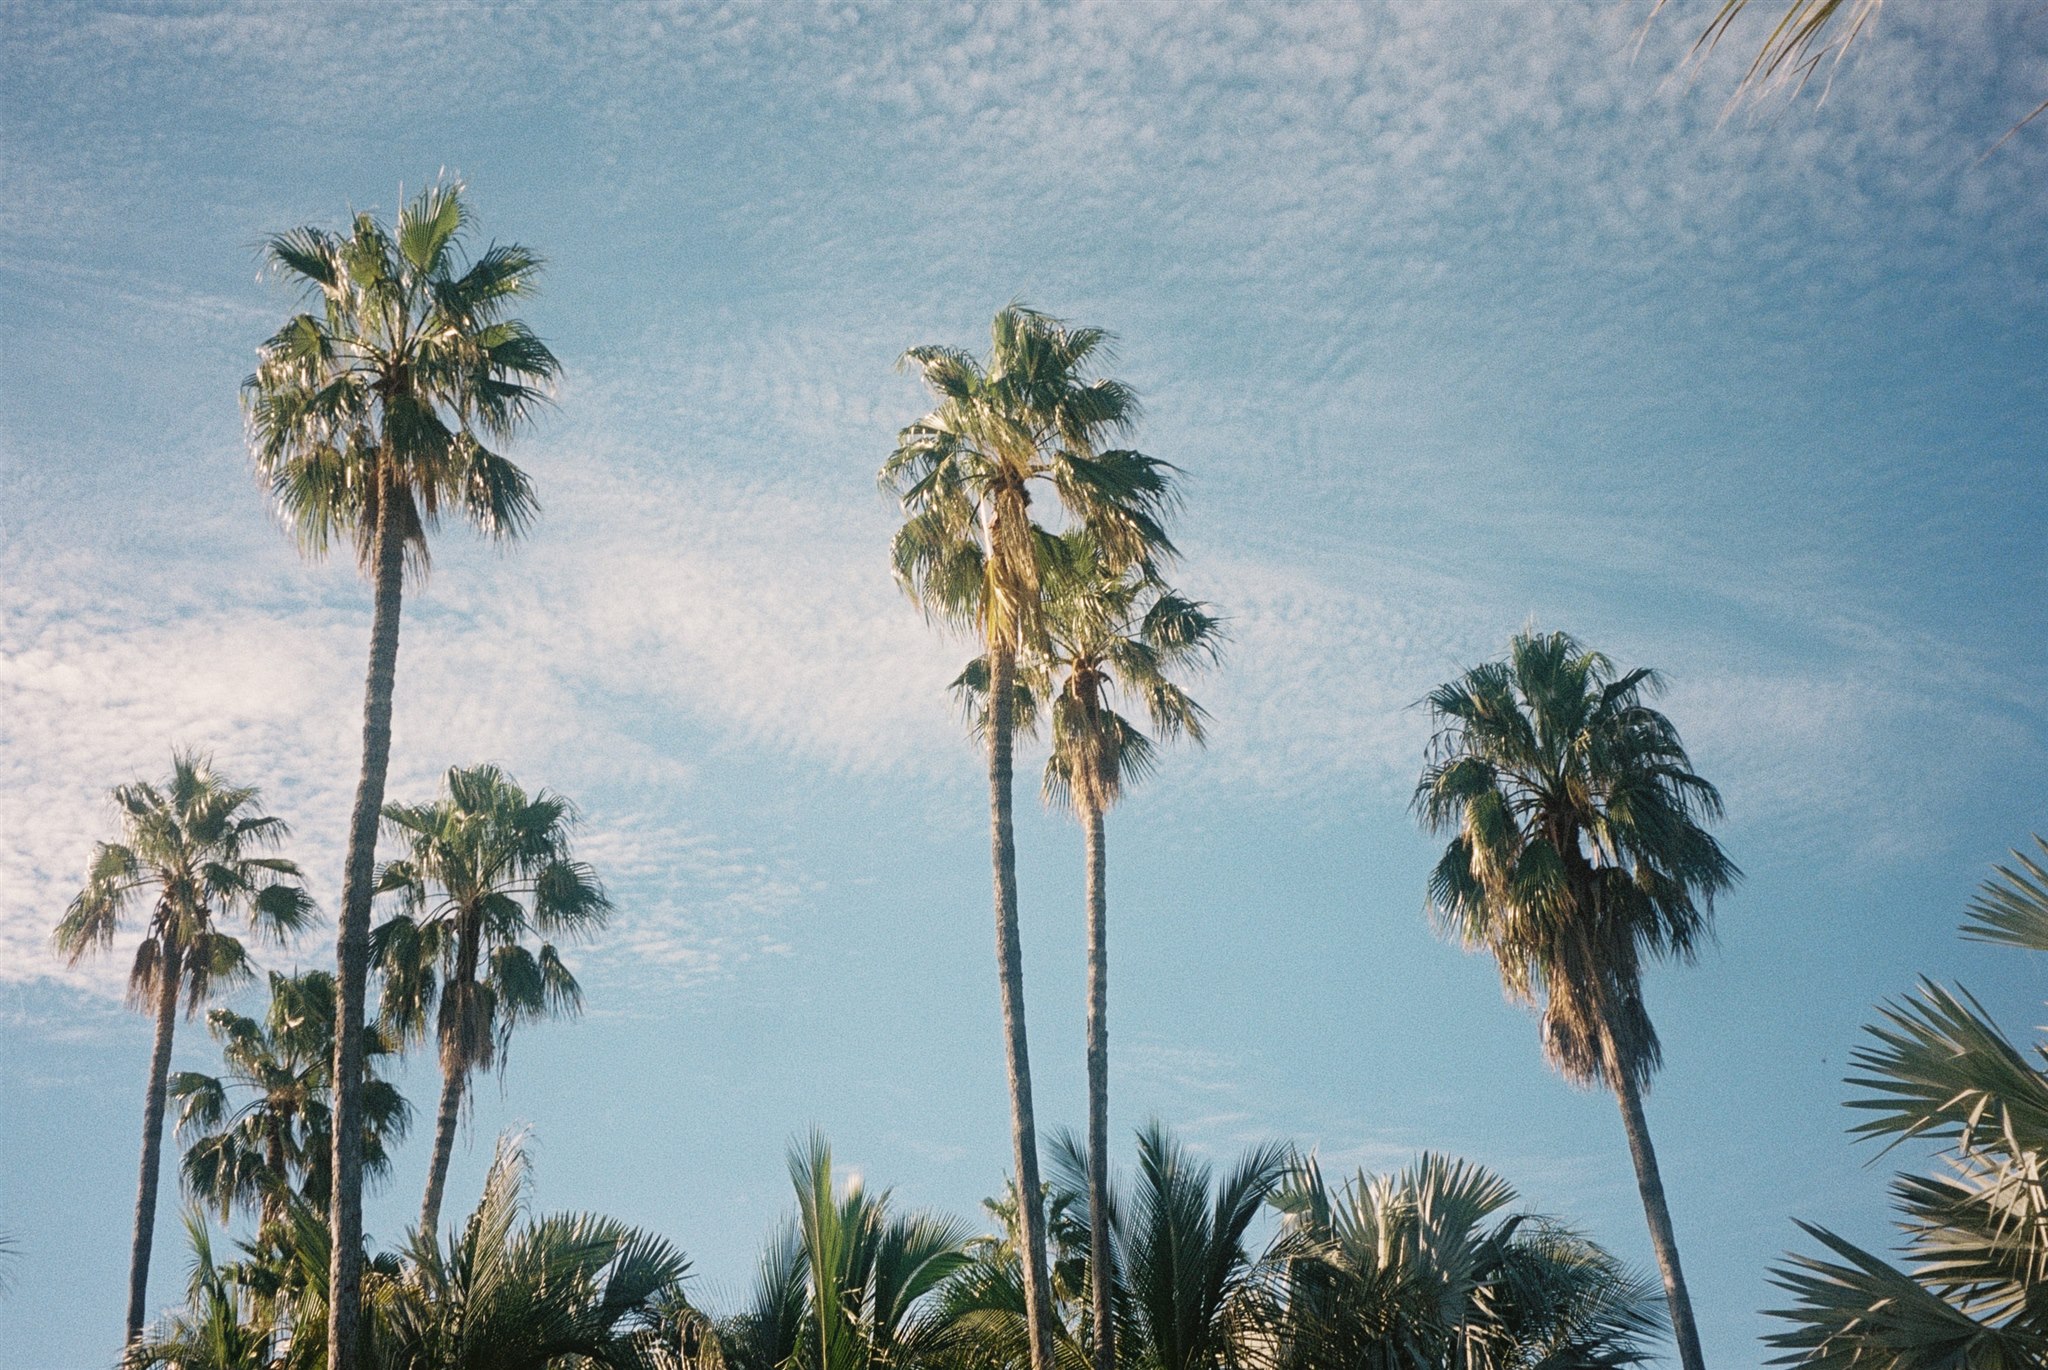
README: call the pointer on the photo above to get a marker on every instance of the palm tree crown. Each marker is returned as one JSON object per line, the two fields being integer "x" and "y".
{"x": 1578, "y": 848}
{"x": 1429, "y": 1268}
{"x": 1973, "y": 1288}
{"x": 1032, "y": 416}
{"x": 386, "y": 391}
{"x": 193, "y": 847}
{"x": 277, "y": 1139}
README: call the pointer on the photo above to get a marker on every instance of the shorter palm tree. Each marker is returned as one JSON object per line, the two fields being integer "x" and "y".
{"x": 192, "y": 848}
{"x": 511, "y": 1293}
{"x": 277, "y": 1139}
{"x": 848, "y": 1285}
{"x": 1181, "y": 1271}
{"x": 1429, "y": 1270}
{"x": 486, "y": 869}
{"x": 1973, "y": 1291}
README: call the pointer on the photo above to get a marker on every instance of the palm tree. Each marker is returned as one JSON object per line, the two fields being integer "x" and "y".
{"x": 567, "y": 1289}
{"x": 1975, "y": 1290}
{"x": 215, "y": 1330}
{"x": 1110, "y": 636}
{"x": 276, "y": 1141}
{"x": 367, "y": 417}
{"x": 191, "y": 847}
{"x": 1182, "y": 1275}
{"x": 970, "y": 554}
{"x": 508, "y": 1293}
{"x": 486, "y": 867}
{"x": 1578, "y": 854}
{"x": 846, "y": 1285}
{"x": 1428, "y": 1270}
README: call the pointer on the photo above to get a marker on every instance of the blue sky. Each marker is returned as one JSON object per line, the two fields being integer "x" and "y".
{"x": 1457, "y": 318}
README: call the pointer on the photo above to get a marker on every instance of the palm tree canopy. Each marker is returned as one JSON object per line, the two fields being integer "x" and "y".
{"x": 1112, "y": 637}
{"x": 1182, "y": 1272}
{"x": 513, "y": 1293}
{"x": 1973, "y": 1289}
{"x": 278, "y": 1138}
{"x": 406, "y": 362}
{"x": 847, "y": 1284}
{"x": 1579, "y": 848}
{"x": 489, "y": 861}
{"x": 1430, "y": 1268}
{"x": 1032, "y": 416}
{"x": 192, "y": 846}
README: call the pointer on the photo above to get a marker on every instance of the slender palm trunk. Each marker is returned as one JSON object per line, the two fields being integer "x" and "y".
{"x": 1651, "y": 1183}
{"x": 352, "y": 947}
{"x": 1098, "y": 1088}
{"x": 1010, "y": 970}
{"x": 459, "y": 1032}
{"x": 169, "y": 967}
{"x": 444, "y": 1147}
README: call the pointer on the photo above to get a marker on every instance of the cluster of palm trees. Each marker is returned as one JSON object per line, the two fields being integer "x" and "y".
{"x": 486, "y": 870}
{"x": 1577, "y": 854}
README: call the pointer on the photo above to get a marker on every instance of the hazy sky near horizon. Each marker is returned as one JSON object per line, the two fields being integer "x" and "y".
{"x": 1457, "y": 317}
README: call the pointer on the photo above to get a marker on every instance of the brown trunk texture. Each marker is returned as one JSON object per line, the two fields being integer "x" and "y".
{"x": 352, "y": 950}
{"x": 1098, "y": 1090}
{"x": 169, "y": 969}
{"x": 444, "y": 1147}
{"x": 1651, "y": 1182}
{"x": 1010, "y": 971}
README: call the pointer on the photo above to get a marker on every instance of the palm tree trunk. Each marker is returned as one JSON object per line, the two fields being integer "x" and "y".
{"x": 1010, "y": 971}
{"x": 444, "y": 1148}
{"x": 168, "y": 970}
{"x": 352, "y": 944}
{"x": 1651, "y": 1183}
{"x": 1098, "y": 1089}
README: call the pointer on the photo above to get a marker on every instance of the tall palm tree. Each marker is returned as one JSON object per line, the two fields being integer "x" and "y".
{"x": 486, "y": 868}
{"x": 1974, "y": 1290}
{"x": 191, "y": 847}
{"x": 1111, "y": 637}
{"x": 1033, "y": 417}
{"x": 367, "y": 417}
{"x": 1428, "y": 1269}
{"x": 1578, "y": 853}
{"x": 275, "y": 1141}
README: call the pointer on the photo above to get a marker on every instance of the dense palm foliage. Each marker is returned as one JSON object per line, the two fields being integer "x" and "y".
{"x": 1972, "y": 1292}
{"x": 1181, "y": 1259}
{"x": 847, "y": 1284}
{"x": 1033, "y": 417}
{"x": 512, "y": 1293}
{"x": 367, "y": 416}
{"x": 192, "y": 850}
{"x": 1578, "y": 853}
{"x": 1429, "y": 1269}
{"x": 568, "y": 1291}
{"x": 259, "y": 1132}
{"x": 487, "y": 868}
